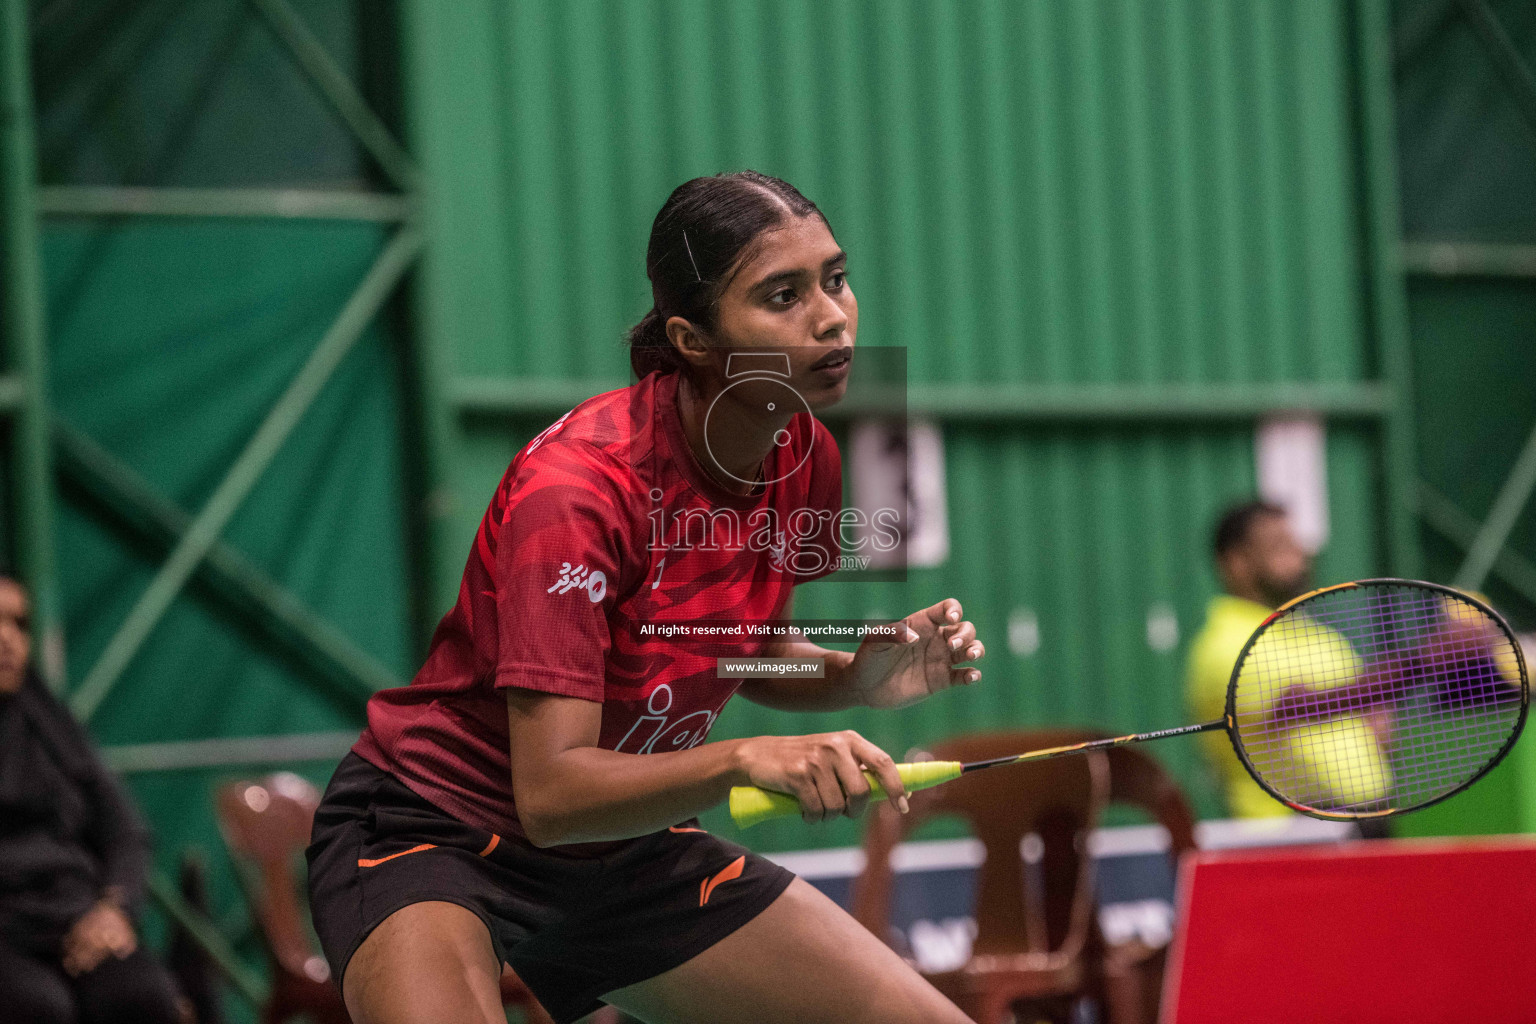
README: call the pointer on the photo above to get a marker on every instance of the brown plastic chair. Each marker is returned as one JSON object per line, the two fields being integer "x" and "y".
{"x": 1132, "y": 971}
{"x": 266, "y": 825}
{"x": 1033, "y": 941}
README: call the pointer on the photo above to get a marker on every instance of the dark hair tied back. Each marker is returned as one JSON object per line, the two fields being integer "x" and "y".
{"x": 704, "y": 232}
{"x": 649, "y": 349}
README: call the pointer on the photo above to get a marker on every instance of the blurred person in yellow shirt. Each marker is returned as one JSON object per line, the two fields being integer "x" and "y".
{"x": 1261, "y": 566}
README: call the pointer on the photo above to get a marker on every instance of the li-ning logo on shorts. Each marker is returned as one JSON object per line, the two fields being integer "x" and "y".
{"x": 595, "y": 583}
{"x": 707, "y": 885}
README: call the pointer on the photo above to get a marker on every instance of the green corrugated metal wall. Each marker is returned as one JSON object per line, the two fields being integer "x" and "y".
{"x": 1031, "y": 193}
{"x": 1040, "y": 192}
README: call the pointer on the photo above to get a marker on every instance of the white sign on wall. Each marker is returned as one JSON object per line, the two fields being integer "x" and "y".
{"x": 1291, "y": 453}
{"x": 900, "y": 466}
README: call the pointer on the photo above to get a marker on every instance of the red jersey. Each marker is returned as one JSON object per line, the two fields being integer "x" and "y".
{"x": 603, "y": 526}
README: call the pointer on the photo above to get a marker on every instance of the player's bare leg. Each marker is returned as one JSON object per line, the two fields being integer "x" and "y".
{"x": 428, "y": 963}
{"x": 801, "y": 961}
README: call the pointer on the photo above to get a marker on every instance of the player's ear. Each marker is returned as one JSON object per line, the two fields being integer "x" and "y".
{"x": 688, "y": 340}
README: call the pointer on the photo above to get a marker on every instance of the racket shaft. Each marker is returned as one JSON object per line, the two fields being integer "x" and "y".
{"x": 752, "y": 804}
{"x": 1104, "y": 744}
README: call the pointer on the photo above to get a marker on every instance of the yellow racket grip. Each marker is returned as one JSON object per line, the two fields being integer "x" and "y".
{"x": 752, "y": 804}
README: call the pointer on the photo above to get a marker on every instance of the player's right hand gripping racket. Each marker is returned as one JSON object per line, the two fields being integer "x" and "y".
{"x": 1355, "y": 701}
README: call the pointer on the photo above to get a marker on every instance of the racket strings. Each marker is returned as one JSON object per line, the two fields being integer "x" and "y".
{"x": 1377, "y": 697}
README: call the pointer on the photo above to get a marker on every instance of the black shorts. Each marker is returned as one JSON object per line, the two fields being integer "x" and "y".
{"x": 573, "y": 928}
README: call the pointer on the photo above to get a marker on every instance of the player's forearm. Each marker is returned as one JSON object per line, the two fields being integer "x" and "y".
{"x": 587, "y": 794}
{"x": 833, "y": 692}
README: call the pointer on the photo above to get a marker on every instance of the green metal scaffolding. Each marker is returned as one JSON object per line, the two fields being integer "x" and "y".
{"x": 1485, "y": 544}
{"x": 23, "y": 324}
{"x": 44, "y": 445}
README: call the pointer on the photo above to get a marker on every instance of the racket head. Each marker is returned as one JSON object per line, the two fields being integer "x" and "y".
{"x": 1376, "y": 697}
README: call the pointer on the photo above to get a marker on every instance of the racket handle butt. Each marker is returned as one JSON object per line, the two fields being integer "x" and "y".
{"x": 751, "y": 805}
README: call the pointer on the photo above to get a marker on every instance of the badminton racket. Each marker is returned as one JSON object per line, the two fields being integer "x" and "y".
{"x": 1360, "y": 700}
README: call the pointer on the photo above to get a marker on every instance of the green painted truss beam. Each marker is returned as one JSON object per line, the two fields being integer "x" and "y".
{"x": 253, "y": 597}
{"x": 203, "y": 531}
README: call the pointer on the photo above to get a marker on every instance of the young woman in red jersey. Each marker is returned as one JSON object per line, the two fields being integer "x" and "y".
{"x": 530, "y": 798}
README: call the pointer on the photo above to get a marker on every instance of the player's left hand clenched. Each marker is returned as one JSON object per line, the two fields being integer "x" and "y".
{"x": 893, "y": 674}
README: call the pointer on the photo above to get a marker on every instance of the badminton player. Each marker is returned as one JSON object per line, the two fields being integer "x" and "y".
{"x": 531, "y": 797}
{"x": 1320, "y": 753}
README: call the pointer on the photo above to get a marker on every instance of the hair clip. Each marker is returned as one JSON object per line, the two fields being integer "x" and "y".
{"x": 696, "y": 273}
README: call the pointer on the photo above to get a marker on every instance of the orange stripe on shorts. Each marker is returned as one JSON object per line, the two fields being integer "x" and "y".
{"x": 375, "y": 863}
{"x": 495, "y": 842}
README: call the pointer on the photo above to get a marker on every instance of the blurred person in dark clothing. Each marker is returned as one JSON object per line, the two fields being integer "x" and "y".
{"x": 73, "y": 856}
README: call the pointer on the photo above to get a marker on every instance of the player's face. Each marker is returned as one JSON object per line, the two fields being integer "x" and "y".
{"x": 792, "y": 296}
{"x": 1282, "y": 568}
{"x": 15, "y": 641}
